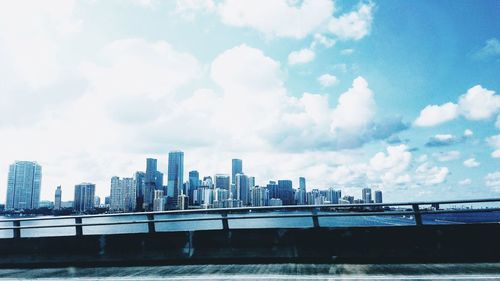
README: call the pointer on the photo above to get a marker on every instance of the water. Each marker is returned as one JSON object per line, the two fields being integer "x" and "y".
{"x": 271, "y": 222}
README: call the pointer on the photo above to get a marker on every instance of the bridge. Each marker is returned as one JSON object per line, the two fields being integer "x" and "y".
{"x": 383, "y": 234}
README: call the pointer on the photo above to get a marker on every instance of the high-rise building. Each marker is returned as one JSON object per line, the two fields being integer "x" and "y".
{"x": 333, "y": 196}
{"x": 123, "y": 194}
{"x": 84, "y": 197}
{"x": 302, "y": 183}
{"x": 139, "y": 190}
{"x": 222, "y": 181}
{"x": 366, "y": 195}
{"x": 57, "y": 198}
{"x": 272, "y": 187}
{"x": 23, "y": 185}
{"x": 182, "y": 202}
{"x": 275, "y": 202}
{"x": 285, "y": 191}
{"x": 378, "y": 196}
{"x": 251, "y": 182}
{"x": 242, "y": 189}
{"x": 97, "y": 201}
{"x": 194, "y": 183}
{"x": 260, "y": 196}
{"x": 158, "y": 200}
{"x": 236, "y": 168}
{"x": 175, "y": 175}
{"x": 153, "y": 180}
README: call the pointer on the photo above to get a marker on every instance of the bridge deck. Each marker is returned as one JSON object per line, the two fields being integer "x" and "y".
{"x": 453, "y": 271}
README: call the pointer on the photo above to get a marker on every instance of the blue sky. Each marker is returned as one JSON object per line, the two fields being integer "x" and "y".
{"x": 397, "y": 95}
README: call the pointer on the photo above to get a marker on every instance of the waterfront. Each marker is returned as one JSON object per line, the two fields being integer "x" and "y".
{"x": 272, "y": 222}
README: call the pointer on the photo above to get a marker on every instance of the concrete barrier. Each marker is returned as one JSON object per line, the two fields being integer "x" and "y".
{"x": 395, "y": 244}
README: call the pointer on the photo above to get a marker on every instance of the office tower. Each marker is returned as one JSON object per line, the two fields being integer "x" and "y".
{"x": 378, "y": 196}
{"x": 300, "y": 197}
{"x": 302, "y": 183}
{"x": 84, "y": 197}
{"x": 251, "y": 182}
{"x": 158, "y": 200}
{"x": 366, "y": 195}
{"x": 220, "y": 195}
{"x": 194, "y": 183}
{"x": 153, "y": 180}
{"x": 23, "y": 185}
{"x": 107, "y": 201}
{"x": 242, "y": 189}
{"x": 123, "y": 194}
{"x": 222, "y": 181}
{"x": 260, "y": 196}
{"x": 175, "y": 175}
{"x": 236, "y": 168}
{"x": 97, "y": 201}
{"x": 182, "y": 202}
{"x": 57, "y": 198}
{"x": 139, "y": 190}
{"x": 332, "y": 196}
{"x": 285, "y": 191}
{"x": 272, "y": 186}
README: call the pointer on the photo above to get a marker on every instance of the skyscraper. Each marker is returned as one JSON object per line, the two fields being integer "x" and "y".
{"x": 123, "y": 194}
{"x": 237, "y": 168}
{"x": 378, "y": 196}
{"x": 366, "y": 195}
{"x": 285, "y": 191}
{"x": 302, "y": 183}
{"x": 242, "y": 189}
{"x": 84, "y": 197}
{"x": 175, "y": 175}
{"x": 139, "y": 190}
{"x": 23, "y": 185}
{"x": 57, "y": 198}
{"x": 222, "y": 182}
{"x": 194, "y": 183}
{"x": 153, "y": 180}
{"x": 260, "y": 196}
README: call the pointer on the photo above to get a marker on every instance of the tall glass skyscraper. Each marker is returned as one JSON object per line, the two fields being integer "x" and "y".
{"x": 175, "y": 175}
{"x": 153, "y": 180}
{"x": 84, "y": 197}
{"x": 242, "y": 189}
{"x": 237, "y": 168}
{"x": 57, "y": 198}
{"x": 23, "y": 185}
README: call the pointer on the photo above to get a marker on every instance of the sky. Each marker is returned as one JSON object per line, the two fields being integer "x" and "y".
{"x": 400, "y": 96}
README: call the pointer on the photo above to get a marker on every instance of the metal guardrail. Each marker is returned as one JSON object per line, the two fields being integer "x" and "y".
{"x": 334, "y": 210}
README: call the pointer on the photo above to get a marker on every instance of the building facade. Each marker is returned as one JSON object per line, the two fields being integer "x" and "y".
{"x": 57, "y": 198}
{"x": 236, "y": 168}
{"x": 175, "y": 176}
{"x": 84, "y": 197}
{"x": 23, "y": 185}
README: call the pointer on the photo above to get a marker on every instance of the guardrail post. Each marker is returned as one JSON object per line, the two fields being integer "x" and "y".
{"x": 315, "y": 218}
{"x": 78, "y": 227}
{"x": 418, "y": 216}
{"x": 151, "y": 223}
{"x": 16, "y": 229}
{"x": 225, "y": 222}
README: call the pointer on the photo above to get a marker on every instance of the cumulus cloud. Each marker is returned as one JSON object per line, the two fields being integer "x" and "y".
{"x": 433, "y": 115}
{"x": 471, "y": 163}
{"x": 189, "y": 8}
{"x": 479, "y": 103}
{"x": 494, "y": 142}
{"x": 464, "y": 182}
{"x": 447, "y": 156}
{"x": 428, "y": 175}
{"x": 301, "y": 56}
{"x": 492, "y": 180}
{"x": 327, "y": 80}
{"x": 277, "y": 18}
{"x": 468, "y": 133}
{"x": 353, "y": 25}
{"x": 442, "y": 140}
{"x": 320, "y": 39}
{"x": 490, "y": 49}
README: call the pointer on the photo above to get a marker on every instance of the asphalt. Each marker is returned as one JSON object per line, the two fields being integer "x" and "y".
{"x": 271, "y": 272}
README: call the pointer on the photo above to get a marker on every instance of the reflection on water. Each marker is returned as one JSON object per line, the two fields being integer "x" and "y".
{"x": 213, "y": 221}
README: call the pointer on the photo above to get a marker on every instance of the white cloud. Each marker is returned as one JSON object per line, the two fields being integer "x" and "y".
{"x": 188, "y": 8}
{"x": 301, "y": 56}
{"x": 391, "y": 168}
{"x": 464, "y": 182}
{"x": 468, "y": 133}
{"x": 428, "y": 175}
{"x": 322, "y": 40}
{"x": 494, "y": 141}
{"x": 479, "y": 103}
{"x": 443, "y": 140}
{"x": 447, "y": 156}
{"x": 277, "y": 18}
{"x": 353, "y": 25}
{"x": 433, "y": 115}
{"x": 355, "y": 109}
{"x": 471, "y": 163}
{"x": 347, "y": 52}
{"x": 497, "y": 123}
{"x": 490, "y": 49}
{"x": 327, "y": 80}
{"x": 492, "y": 180}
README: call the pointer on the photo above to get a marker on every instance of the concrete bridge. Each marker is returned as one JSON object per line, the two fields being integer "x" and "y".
{"x": 423, "y": 237}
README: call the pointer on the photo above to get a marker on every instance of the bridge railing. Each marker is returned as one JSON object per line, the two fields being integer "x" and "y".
{"x": 411, "y": 211}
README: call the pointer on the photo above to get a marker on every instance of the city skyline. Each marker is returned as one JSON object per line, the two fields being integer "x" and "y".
{"x": 342, "y": 93}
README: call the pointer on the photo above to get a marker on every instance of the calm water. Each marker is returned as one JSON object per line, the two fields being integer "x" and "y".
{"x": 304, "y": 222}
